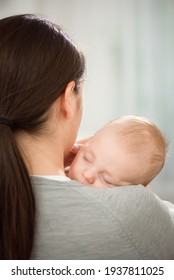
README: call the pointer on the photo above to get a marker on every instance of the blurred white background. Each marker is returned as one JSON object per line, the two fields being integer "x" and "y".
{"x": 129, "y": 47}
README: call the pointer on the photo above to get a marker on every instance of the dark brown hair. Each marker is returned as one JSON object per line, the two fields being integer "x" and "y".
{"x": 37, "y": 61}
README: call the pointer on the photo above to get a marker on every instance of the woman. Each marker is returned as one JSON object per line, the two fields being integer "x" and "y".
{"x": 44, "y": 215}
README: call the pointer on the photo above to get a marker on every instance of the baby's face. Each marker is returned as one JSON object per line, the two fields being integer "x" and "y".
{"x": 102, "y": 162}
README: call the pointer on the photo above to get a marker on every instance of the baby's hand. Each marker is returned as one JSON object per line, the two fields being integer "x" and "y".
{"x": 72, "y": 154}
{"x": 74, "y": 151}
{"x": 76, "y": 148}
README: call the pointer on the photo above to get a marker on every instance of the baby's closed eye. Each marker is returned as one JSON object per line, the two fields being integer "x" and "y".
{"x": 88, "y": 157}
{"x": 105, "y": 178}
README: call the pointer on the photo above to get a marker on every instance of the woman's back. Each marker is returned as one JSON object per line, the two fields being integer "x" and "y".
{"x": 79, "y": 222}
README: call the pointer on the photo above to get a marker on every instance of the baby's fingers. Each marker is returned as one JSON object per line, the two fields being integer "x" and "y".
{"x": 76, "y": 148}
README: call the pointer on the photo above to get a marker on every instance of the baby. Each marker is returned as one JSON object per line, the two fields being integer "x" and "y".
{"x": 128, "y": 151}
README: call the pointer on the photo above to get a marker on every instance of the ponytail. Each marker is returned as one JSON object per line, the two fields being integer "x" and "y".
{"x": 17, "y": 204}
{"x": 37, "y": 61}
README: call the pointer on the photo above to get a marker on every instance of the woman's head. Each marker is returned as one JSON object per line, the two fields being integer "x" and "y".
{"x": 37, "y": 61}
{"x": 38, "y": 65}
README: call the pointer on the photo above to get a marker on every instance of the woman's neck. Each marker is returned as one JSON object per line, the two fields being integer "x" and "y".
{"x": 42, "y": 155}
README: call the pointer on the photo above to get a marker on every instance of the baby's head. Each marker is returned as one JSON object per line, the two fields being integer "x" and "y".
{"x": 127, "y": 151}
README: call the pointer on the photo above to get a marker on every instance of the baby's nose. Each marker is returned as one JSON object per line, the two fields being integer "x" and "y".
{"x": 89, "y": 176}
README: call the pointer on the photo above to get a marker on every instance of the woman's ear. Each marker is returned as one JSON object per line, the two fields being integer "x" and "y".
{"x": 67, "y": 103}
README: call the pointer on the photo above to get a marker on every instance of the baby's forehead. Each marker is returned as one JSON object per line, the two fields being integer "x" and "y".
{"x": 106, "y": 132}
{"x": 129, "y": 126}
{"x": 113, "y": 129}
{"x": 131, "y": 133}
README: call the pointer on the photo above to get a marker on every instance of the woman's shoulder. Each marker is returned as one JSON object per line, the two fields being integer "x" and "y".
{"x": 111, "y": 200}
{"x": 127, "y": 205}
{"x": 127, "y": 199}
{"x": 119, "y": 223}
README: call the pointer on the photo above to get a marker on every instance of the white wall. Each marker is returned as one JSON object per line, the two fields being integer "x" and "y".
{"x": 129, "y": 45}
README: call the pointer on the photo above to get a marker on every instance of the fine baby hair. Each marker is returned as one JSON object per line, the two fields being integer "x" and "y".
{"x": 143, "y": 139}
